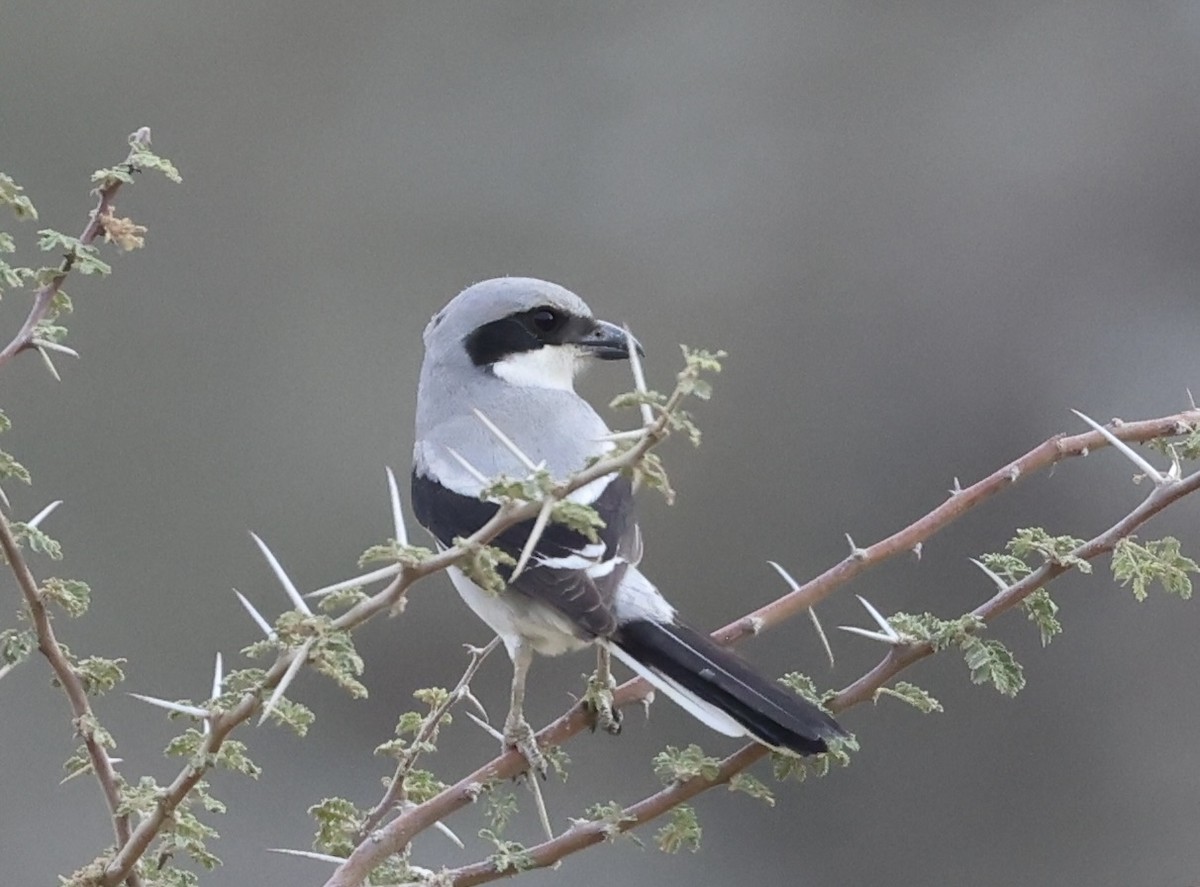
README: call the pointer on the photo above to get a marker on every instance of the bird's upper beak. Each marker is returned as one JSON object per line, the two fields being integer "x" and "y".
{"x": 608, "y": 341}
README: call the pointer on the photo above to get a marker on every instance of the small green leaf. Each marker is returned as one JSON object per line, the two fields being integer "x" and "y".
{"x": 913, "y": 695}
{"x": 992, "y": 662}
{"x": 510, "y": 856}
{"x": 1043, "y": 612}
{"x": 11, "y": 468}
{"x": 338, "y": 823}
{"x": 679, "y": 765}
{"x": 1157, "y": 561}
{"x": 583, "y": 519}
{"x": 70, "y": 594}
{"x": 683, "y": 832}
{"x": 482, "y": 562}
{"x": 13, "y": 195}
{"x": 752, "y": 786}
{"x": 421, "y": 785}
{"x": 99, "y": 675}
{"x": 16, "y": 644}
{"x": 1052, "y": 549}
{"x": 612, "y": 817}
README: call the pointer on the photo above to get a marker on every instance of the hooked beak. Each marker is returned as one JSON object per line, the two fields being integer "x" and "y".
{"x": 607, "y": 341}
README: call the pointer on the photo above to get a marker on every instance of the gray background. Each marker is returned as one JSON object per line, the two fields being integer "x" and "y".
{"x": 923, "y": 230}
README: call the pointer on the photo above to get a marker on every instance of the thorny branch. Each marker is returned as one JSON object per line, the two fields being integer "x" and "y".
{"x": 84, "y": 720}
{"x": 221, "y": 724}
{"x": 394, "y": 836}
{"x": 43, "y": 297}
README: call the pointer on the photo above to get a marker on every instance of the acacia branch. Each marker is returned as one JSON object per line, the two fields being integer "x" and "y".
{"x": 900, "y": 657}
{"x": 393, "y": 837}
{"x": 221, "y": 724}
{"x": 43, "y": 297}
{"x": 84, "y": 720}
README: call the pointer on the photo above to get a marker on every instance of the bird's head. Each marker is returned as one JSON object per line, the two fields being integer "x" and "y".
{"x": 523, "y": 331}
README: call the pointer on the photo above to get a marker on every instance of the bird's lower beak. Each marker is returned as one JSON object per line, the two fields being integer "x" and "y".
{"x": 608, "y": 341}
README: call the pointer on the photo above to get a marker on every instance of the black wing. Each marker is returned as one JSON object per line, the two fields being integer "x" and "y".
{"x": 585, "y": 596}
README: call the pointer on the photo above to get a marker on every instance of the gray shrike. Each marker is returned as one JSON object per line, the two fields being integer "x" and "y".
{"x": 511, "y": 348}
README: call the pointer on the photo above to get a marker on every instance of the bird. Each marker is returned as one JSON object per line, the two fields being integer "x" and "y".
{"x": 510, "y": 349}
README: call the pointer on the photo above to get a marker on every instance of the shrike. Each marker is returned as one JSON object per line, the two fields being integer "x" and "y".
{"x": 511, "y": 348}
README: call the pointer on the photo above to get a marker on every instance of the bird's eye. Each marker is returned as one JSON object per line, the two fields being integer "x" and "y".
{"x": 547, "y": 320}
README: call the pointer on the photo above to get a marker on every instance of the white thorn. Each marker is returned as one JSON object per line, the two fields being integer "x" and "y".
{"x": 918, "y": 549}
{"x": 623, "y": 435}
{"x": 1191, "y": 399}
{"x": 449, "y": 833}
{"x": 812, "y": 614}
{"x": 877, "y": 616}
{"x": 505, "y": 440}
{"x": 256, "y": 616}
{"x": 956, "y": 489}
{"x": 787, "y": 577}
{"x": 365, "y": 579}
{"x": 887, "y": 634}
{"x": 308, "y": 854}
{"x": 218, "y": 676}
{"x": 6, "y": 668}
{"x": 471, "y": 469}
{"x": 855, "y": 552}
{"x": 1000, "y": 583}
{"x": 540, "y": 803}
{"x": 872, "y": 635}
{"x": 639, "y": 375}
{"x": 535, "y": 536}
{"x": 465, "y": 693}
{"x": 41, "y": 349}
{"x": 486, "y": 727}
{"x": 189, "y": 710}
{"x": 43, "y": 514}
{"x": 288, "y": 676}
{"x": 55, "y": 346}
{"x": 1014, "y": 474}
{"x": 397, "y": 511}
{"x": 1149, "y": 470}
{"x": 4, "y": 498}
{"x": 216, "y": 690}
{"x": 288, "y": 586}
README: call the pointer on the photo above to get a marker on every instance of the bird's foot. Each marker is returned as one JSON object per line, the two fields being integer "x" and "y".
{"x": 599, "y": 700}
{"x": 519, "y": 735}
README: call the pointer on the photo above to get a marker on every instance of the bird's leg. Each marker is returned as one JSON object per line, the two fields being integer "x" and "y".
{"x": 517, "y": 732}
{"x": 599, "y": 696}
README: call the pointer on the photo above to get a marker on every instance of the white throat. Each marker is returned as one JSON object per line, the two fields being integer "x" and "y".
{"x": 551, "y": 366}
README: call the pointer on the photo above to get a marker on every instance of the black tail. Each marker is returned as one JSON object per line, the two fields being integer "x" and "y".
{"x": 701, "y": 675}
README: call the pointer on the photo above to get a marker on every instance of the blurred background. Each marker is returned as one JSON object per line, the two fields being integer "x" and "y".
{"x": 923, "y": 231}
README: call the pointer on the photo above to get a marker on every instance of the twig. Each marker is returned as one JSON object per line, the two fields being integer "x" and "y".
{"x": 399, "y": 832}
{"x": 864, "y": 689}
{"x": 394, "y": 796}
{"x": 84, "y": 719}
{"x": 43, "y": 297}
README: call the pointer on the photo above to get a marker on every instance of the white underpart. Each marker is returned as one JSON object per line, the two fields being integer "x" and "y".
{"x": 516, "y": 618}
{"x": 551, "y": 366}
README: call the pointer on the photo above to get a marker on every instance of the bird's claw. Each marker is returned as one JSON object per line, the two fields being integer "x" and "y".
{"x": 599, "y": 701}
{"x": 519, "y": 735}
